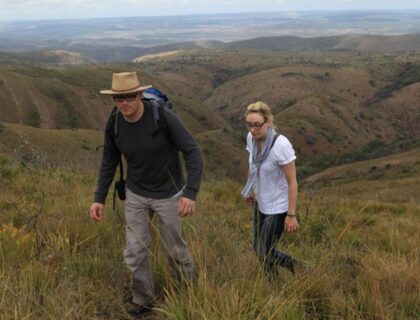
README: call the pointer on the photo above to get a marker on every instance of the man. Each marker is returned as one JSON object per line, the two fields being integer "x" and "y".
{"x": 154, "y": 183}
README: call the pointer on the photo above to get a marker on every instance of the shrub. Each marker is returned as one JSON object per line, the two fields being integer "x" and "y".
{"x": 310, "y": 139}
{"x": 7, "y": 170}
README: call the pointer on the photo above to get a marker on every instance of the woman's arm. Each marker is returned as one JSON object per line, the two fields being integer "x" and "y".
{"x": 289, "y": 170}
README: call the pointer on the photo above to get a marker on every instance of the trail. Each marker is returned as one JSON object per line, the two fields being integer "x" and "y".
{"x": 16, "y": 103}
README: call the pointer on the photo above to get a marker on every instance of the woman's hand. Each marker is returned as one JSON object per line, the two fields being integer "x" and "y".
{"x": 249, "y": 201}
{"x": 291, "y": 224}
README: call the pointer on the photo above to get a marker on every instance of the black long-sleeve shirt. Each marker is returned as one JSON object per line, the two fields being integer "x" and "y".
{"x": 152, "y": 156}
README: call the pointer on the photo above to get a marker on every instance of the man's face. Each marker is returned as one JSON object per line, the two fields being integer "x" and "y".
{"x": 128, "y": 104}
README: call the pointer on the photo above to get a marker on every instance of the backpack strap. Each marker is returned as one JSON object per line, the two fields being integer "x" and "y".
{"x": 113, "y": 123}
{"x": 156, "y": 113}
{"x": 163, "y": 121}
{"x": 116, "y": 114}
{"x": 159, "y": 115}
{"x": 274, "y": 141}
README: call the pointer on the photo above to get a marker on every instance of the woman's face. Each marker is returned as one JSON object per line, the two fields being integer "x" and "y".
{"x": 257, "y": 125}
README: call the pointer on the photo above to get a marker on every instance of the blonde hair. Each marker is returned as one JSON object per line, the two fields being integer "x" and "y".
{"x": 263, "y": 109}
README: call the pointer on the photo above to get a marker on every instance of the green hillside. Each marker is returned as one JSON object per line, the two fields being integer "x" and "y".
{"x": 80, "y": 149}
{"x": 328, "y": 103}
{"x": 359, "y": 221}
{"x": 393, "y": 178}
{"x": 352, "y": 116}
{"x": 69, "y": 97}
{"x": 46, "y": 57}
{"x": 361, "y": 42}
{"x": 48, "y": 148}
{"x": 333, "y": 105}
{"x": 359, "y": 237}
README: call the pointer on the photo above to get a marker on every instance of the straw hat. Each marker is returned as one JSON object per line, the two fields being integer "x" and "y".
{"x": 124, "y": 83}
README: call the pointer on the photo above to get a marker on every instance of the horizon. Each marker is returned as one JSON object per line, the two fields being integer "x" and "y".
{"x": 48, "y": 10}
{"x": 286, "y": 12}
{"x": 149, "y": 31}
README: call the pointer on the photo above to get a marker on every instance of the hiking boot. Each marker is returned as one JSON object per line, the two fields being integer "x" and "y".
{"x": 136, "y": 309}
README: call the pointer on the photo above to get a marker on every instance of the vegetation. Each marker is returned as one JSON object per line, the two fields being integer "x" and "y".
{"x": 322, "y": 101}
{"x": 57, "y": 263}
{"x": 359, "y": 220}
{"x": 375, "y": 149}
{"x": 408, "y": 74}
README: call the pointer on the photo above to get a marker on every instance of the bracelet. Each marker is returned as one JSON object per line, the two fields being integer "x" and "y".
{"x": 291, "y": 215}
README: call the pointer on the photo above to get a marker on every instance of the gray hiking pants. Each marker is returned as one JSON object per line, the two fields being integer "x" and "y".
{"x": 137, "y": 254}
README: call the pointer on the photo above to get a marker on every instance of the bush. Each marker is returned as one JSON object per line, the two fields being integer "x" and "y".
{"x": 310, "y": 139}
{"x": 7, "y": 170}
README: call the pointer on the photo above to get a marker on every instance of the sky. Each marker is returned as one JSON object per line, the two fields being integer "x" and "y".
{"x": 11, "y": 10}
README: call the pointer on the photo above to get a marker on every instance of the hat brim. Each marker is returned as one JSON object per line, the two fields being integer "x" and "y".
{"x": 112, "y": 92}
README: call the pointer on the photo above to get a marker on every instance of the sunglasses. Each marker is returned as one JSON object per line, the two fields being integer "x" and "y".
{"x": 255, "y": 125}
{"x": 127, "y": 97}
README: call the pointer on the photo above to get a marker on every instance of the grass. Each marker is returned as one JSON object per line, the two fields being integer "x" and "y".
{"x": 57, "y": 263}
{"x": 359, "y": 226}
{"x": 320, "y": 100}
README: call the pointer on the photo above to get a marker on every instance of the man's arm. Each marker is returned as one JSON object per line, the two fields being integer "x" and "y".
{"x": 110, "y": 159}
{"x": 193, "y": 162}
{"x": 191, "y": 152}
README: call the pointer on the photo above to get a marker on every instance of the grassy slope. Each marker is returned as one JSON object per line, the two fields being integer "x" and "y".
{"x": 376, "y": 43}
{"x": 34, "y": 147}
{"x": 359, "y": 222}
{"x": 54, "y": 99}
{"x": 46, "y": 57}
{"x": 68, "y": 98}
{"x": 325, "y": 102}
{"x": 393, "y": 178}
{"x": 79, "y": 148}
{"x": 363, "y": 246}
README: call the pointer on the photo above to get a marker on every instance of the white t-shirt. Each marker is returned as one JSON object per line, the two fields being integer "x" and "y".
{"x": 271, "y": 189}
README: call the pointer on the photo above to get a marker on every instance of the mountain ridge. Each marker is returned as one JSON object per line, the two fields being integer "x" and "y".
{"x": 329, "y": 104}
{"x": 98, "y": 53}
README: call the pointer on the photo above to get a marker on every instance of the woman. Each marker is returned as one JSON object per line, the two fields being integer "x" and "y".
{"x": 271, "y": 187}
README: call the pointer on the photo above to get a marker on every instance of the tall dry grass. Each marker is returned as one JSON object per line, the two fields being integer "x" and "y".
{"x": 55, "y": 263}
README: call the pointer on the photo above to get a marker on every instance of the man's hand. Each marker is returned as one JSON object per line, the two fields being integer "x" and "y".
{"x": 96, "y": 211}
{"x": 185, "y": 207}
{"x": 249, "y": 201}
{"x": 291, "y": 224}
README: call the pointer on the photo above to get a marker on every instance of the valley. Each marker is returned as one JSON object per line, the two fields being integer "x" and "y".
{"x": 349, "y": 103}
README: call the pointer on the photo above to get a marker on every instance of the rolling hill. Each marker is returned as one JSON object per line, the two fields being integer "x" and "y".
{"x": 49, "y": 148}
{"x": 331, "y": 105}
{"x": 361, "y": 42}
{"x": 394, "y": 178}
{"x": 93, "y": 52}
{"x": 350, "y": 105}
{"x": 358, "y": 233}
{"x": 68, "y": 98}
{"x": 358, "y": 42}
{"x": 123, "y": 39}
{"x": 48, "y": 58}
{"x": 328, "y": 103}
